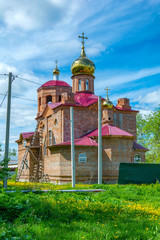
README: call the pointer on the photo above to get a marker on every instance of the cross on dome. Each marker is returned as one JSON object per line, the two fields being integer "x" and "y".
{"x": 83, "y": 37}
{"x": 56, "y": 61}
{"x": 56, "y": 71}
{"x": 107, "y": 89}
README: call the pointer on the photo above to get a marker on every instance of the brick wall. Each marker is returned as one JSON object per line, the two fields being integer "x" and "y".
{"x": 85, "y": 120}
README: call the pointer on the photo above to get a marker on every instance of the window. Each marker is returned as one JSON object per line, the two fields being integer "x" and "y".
{"x": 79, "y": 84}
{"x": 53, "y": 140}
{"x": 49, "y": 99}
{"x": 40, "y": 101}
{"x": 137, "y": 158}
{"x": 59, "y": 98}
{"x": 50, "y": 137}
{"x": 82, "y": 157}
{"x": 24, "y": 143}
{"x": 55, "y": 122}
{"x": 87, "y": 84}
{"x": 45, "y": 149}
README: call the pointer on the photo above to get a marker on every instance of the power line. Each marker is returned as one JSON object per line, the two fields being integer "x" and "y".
{"x": 20, "y": 98}
{"x": 28, "y": 80}
{"x": 5, "y": 95}
{"x": 24, "y": 98}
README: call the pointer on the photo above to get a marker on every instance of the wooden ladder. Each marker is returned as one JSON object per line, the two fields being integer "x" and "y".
{"x": 26, "y": 153}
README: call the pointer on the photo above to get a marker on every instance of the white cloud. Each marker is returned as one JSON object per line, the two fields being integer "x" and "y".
{"x": 20, "y": 19}
{"x": 152, "y": 97}
{"x": 116, "y": 78}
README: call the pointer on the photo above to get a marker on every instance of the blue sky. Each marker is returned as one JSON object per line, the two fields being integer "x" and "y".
{"x": 123, "y": 41}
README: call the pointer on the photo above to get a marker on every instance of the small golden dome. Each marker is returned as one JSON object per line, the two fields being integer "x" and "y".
{"x": 107, "y": 103}
{"x": 56, "y": 71}
{"x": 83, "y": 65}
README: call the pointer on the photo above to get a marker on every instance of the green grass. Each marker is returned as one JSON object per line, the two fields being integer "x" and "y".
{"x": 121, "y": 212}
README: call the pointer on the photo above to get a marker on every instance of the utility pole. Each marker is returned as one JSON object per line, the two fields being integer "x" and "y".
{"x": 72, "y": 147}
{"x": 7, "y": 129}
{"x": 99, "y": 142}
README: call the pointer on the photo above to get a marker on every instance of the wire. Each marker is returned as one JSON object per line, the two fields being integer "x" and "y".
{"x": 3, "y": 98}
{"x": 20, "y": 98}
{"x": 5, "y": 95}
{"x": 24, "y": 98}
{"x": 28, "y": 80}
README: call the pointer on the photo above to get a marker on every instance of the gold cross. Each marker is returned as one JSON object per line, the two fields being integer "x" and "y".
{"x": 83, "y": 37}
{"x": 107, "y": 89}
{"x": 56, "y": 62}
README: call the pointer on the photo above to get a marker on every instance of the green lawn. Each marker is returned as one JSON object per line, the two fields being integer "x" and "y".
{"x": 121, "y": 212}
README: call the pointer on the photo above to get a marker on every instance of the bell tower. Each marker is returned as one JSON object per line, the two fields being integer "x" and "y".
{"x": 83, "y": 69}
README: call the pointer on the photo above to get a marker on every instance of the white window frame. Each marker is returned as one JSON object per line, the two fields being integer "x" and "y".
{"x": 82, "y": 157}
{"x": 137, "y": 158}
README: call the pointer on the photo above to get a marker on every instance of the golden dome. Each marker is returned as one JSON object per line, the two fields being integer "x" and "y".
{"x": 56, "y": 71}
{"x": 83, "y": 65}
{"x": 107, "y": 103}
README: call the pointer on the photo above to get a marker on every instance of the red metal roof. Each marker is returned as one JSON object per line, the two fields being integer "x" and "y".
{"x": 81, "y": 99}
{"x": 55, "y": 83}
{"x": 109, "y": 130}
{"x": 139, "y": 147}
{"x": 27, "y": 134}
{"x": 85, "y": 99}
{"x": 124, "y": 109}
{"x": 84, "y": 141}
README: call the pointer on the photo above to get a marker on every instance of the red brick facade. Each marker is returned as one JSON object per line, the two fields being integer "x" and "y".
{"x": 52, "y": 149}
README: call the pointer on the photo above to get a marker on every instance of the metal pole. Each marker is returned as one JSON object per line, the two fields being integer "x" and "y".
{"x": 72, "y": 147}
{"x": 7, "y": 129}
{"x": 99, "y": 142}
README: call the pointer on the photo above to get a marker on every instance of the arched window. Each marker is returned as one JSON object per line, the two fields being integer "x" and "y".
{"x": 82, "y": 157}
{"x": 50, "y": 137}
{"x": 55, "y": 122}
{"x": 53, "y": 140}
{"x": 24, "y": 143}
{"x": 49, "y": 99}
{"x": 87, "y": 84}
{"x": 79, "y": 84}
{"x": 39, "y": 104}
{"x": 45, "y": 149}
{"x": 137, "y": 158}
{"x": 39, "y": 101}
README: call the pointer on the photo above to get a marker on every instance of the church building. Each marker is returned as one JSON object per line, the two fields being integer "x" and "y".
{"x": 45, "y": 154}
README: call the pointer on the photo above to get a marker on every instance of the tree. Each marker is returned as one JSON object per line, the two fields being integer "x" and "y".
{"x": 3, "y": 170}
{"x": 148, "y": 132}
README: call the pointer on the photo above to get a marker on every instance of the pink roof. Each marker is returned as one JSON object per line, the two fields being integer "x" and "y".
{"x": 54, "y": 105}
{"x": 85, "y": 99}
{"x": 55, "y": 83}
{"x": 85, "y": 141}
{"x": 124, "y": 109}
{"x": 139, "y": 147}
{"x": 81, "y": 99}
{"x": 109, "y": 130}
{"x": 27, "y": 134}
